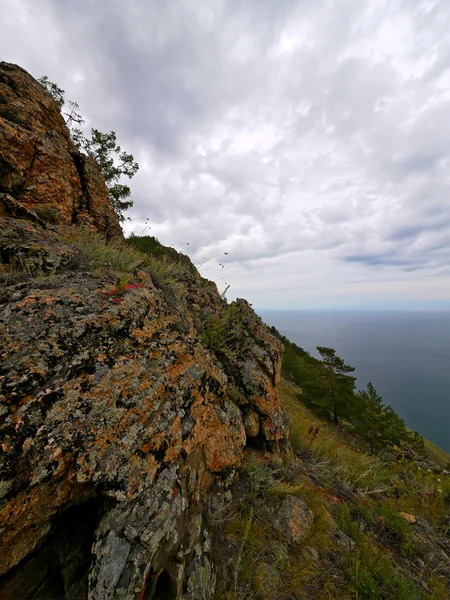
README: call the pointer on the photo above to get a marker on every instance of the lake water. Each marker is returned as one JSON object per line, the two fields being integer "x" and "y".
{"x": 406, "y": 355}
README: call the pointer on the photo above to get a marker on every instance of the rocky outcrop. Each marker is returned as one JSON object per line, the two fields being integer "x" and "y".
{"x": 118, "y": 421}
{"x": 41, "y": 171}
{"x": 111, "y": 402}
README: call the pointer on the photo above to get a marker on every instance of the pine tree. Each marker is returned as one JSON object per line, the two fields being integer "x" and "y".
{"x": 380, "y": 425}
{"x": 394, "y": 429}
{"x": 337, "y": 386}
{"x": 370, "y": 419}
{"x": 103, "y": 148}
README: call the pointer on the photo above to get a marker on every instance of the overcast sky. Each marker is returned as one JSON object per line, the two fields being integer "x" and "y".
{"x": 308, "y": 139}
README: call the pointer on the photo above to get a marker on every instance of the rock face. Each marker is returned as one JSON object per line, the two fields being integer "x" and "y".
{"x": 111, "y": 404}
{"x": 117, "y": 421}
{"x": 40, "y": 169}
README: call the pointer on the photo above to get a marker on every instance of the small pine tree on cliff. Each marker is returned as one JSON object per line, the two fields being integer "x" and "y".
{"x": 379, "y": 424}
{"x": 337, "y": 395}
{"x": 102, "y": 147}
{"x": 370, "y": 422}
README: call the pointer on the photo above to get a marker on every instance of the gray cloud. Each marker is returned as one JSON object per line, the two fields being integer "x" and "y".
{"x": 309, "y": 140}
{"x": 380, "y": 259}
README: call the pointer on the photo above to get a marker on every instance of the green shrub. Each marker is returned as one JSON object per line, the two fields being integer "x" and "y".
{"x": 220, "y": 332}
{"x": 95, "y": 253}
{"x": 371, "y": 571}
{"x": 148, "y": 244}
{"x": 258, "y": 476}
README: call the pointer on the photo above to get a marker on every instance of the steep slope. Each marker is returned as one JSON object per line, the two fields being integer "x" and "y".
{"x": 123, "y": 407}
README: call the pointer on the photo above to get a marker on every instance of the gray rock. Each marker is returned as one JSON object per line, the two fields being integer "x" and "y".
{"x": 293, "y": 519}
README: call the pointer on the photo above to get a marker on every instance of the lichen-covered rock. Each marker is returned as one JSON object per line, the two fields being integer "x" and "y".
{"x": 252, "y": 425}
{"x": 40, "y": 168}
{"x": 30, "y": 249}
{"x": 251, "y": 360}
{"x": 293, "y": 519}
{"x": 115, "y": 397}
{"x": 411, "y": 519}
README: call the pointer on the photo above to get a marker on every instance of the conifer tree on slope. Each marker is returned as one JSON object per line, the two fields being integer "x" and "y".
{"x": 380, "y": 425}
{"x": 394, "y": 429}
{"x": 370, "y": 422}
{"x": 337, "y": 393}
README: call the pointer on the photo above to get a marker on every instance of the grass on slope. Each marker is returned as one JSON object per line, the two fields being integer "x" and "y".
{"x": 335, "y": 452}
{"x": 339, "y": 462}
{"x": 436, "y": 454}
{"x": 357, "y": 544}
{"x": 97, "y": 254}
{"x": 92, "y": 252}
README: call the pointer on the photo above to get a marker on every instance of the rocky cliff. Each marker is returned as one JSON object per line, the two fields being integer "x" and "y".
{"x": 129, "y": 390}
{"x": 42, "y": 174}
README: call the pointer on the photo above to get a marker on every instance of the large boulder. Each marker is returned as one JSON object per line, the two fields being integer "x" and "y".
{"x": 115, "y": 412}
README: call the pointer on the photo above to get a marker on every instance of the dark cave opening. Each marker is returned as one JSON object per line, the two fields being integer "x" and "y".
{"x": 161, "y": 589}
{"x": 59, "y": 568}
{"x": 257, "y": 442}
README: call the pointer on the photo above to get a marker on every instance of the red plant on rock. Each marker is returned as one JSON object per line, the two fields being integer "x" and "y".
{"x": 130, "y": 286}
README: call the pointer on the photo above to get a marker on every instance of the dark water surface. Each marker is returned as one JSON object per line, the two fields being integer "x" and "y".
{"x": 406, "y": 355}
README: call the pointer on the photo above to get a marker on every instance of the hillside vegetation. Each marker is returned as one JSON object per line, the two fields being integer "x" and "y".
{"x": 334, "y": 521}
{"x": 358, "y": 510}
{"x": 329, "y": 390}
